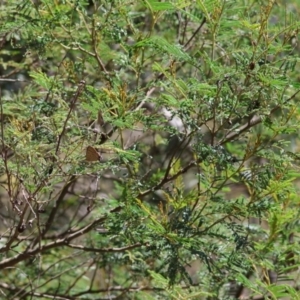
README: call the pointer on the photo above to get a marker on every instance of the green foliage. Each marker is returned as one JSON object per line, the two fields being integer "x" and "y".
{"x": 192, "y": 108}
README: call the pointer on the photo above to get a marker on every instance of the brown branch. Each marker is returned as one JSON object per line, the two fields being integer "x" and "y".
{"x": 167, "y": 179}
{"x": 54, "y": 210}
{"x": 130, "y": 289}
{"x": 18, "y": 230}
{"x": 45, "y": 295}
{"x": 252, "y": 122}
{"x": 94, "y": 45}
{"x": 194, "y": 34}
{"x": 72, "y": 107}
{"x": 58, "y": 243}
{"x": 122, "y": 249}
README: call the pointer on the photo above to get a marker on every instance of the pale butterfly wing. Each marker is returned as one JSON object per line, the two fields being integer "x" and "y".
{"x": 92, "y": 154}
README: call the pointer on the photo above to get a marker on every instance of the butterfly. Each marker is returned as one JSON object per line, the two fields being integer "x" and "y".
{"x": 92, "y": 154}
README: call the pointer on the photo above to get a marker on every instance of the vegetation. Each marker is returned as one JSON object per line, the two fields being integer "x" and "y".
{"x": 149, "y": 149}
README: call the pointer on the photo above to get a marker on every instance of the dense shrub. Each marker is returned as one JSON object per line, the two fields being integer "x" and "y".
{"x": 149, "y": 149}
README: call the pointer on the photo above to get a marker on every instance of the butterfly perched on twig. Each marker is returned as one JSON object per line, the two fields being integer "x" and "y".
{"x": 92, "y": 154}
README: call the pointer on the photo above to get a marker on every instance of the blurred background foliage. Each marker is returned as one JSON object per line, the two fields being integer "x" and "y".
{"x": 190, "y": 111}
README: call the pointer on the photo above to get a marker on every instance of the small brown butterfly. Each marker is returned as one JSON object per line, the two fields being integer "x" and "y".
{"x": 92, "y": 154}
